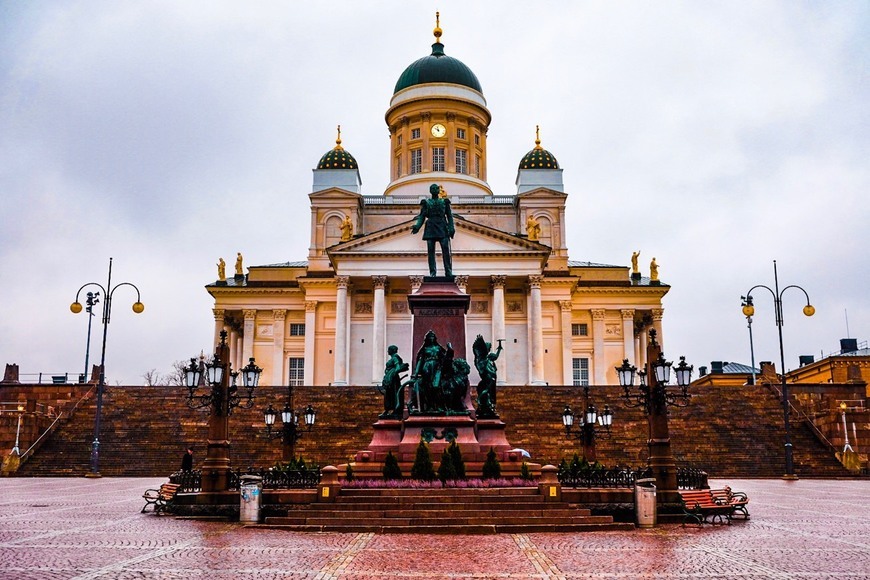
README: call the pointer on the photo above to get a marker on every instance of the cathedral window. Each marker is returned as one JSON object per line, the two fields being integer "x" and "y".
{"x": 581, "y": 329}
{"x": 399, "y": 140}
{"x": 415, "y": 133}
{"x": 416, "y": 160}
{"x": 398, "y": 166}
{"x": 461, "y": 161}
{"x": 477, "y": 165}
{"x": 581, "y": 372}
{"x": 438, "y": 159}
{"x": 296, "y": 376}
{"x": 297, "y": 329}
{"x": 477, "y": 139}
{"x": 460, "y": 133}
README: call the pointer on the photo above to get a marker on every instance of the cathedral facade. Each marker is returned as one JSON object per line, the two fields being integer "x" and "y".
{"x": 329, "y": 319}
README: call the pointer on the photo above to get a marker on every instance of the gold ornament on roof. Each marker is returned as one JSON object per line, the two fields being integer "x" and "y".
{"x": 653, "y": 270}
{"x": 338, "y": 146}
{"x": 538, "y": 137}
{"x": 346, "y": 229}
{"x": 239, "y": 268}
{"x": 533, "y": 228}
{"x": 437, "y": 31}
{"x": 442, "y": 193}
{"x": 222, "y": 270}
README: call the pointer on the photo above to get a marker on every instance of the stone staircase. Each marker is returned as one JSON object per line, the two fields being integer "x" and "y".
{"x": 433, "y": 511}
{"x": 729, "y": 431}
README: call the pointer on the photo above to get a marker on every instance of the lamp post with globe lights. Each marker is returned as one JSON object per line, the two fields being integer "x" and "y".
{"x": 808, "y": 310}
{"x": 587, "y": 432}
{"x": 76, "y": 307}
{"x": 290, "y": 431}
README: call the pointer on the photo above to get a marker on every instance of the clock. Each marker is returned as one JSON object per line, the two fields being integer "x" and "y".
{"x": 438, "y": 130}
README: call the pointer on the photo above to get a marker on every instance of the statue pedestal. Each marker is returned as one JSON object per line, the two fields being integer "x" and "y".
{"x": 439, "y": 305}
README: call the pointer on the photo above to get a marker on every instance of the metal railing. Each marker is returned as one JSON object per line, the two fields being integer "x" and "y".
{"x": 279, "y": 479}
{"x": 45, "y": 434}
{"x": 589, "y": 477}
{"x": 60, "y": 378}
{"x": 797, "y": 411}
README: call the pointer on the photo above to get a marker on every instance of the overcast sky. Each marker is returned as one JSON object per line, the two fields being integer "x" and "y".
{"x": 715, "y": 136}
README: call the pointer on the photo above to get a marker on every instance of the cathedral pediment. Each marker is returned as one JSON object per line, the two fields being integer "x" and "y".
{"x": 476, "y": 249}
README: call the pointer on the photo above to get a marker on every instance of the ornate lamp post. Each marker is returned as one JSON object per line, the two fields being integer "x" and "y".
{"x": 654, "y": 396}
{"x": 587, "y": 432}
{"x": 221, "y": 398}
{"x": 91, "y": 300}
{"x": 747, "y": 302}
{"x": 809, "y": 310}
{"x": 290, "y": 431}
{"x": 76, "y": 307}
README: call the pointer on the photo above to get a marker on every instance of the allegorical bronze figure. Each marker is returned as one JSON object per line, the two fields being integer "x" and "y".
{"x": 484, "y": 361}
{"x": 393, "y": 388}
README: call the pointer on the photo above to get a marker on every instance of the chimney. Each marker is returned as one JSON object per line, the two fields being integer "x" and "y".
{"x": 716, "y": 367}
{"x": 806, "y": 359}
{"x": 702, "y": 371}
{"x": 848, "y": 345}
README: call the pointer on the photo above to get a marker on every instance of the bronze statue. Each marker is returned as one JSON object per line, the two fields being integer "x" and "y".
{"x": 634, "y": 267}
{"x": 393, "y": 389}
{"x": 440, "y": 381}
{"x": 222, "y": 270}
{"x": 484, "y": 361}
{"x": 653, "y": 271}
{"x": 437, "y": 215}
{"x": 533, "y": 228}
{"x": 346, "y": 229}
{"x": 239, "y": 269}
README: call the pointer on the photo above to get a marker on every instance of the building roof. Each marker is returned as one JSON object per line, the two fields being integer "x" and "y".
{"x": 437, "y": 68}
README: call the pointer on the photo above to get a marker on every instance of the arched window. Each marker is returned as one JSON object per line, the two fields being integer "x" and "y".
{"x": 546, "y": 231}
{"x": 332, "y": 231}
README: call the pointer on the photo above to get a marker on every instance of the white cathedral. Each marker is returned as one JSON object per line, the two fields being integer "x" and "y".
{"x": 328, "y": 320}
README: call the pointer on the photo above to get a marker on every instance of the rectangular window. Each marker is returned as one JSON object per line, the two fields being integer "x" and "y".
{"x": 415, "y": 133}
{"x": 477, "y": 165}
{"x": 297, "y": 372}
{"x": 460, "y": 133}
{"x": 581, "y": 372}
{"x": 461, "y": 161}
{"x": 477, "y": 139}
{"x": 297, "y": 329}
{"x": 398, "y": 140}
{"x": 438, "y": 159}
{"x": 416, "y": 160}
{"x": 580, "y": 329}
{"x": 398, "y": 166}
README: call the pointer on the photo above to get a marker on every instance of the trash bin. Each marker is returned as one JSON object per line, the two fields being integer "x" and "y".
{"x": 251, "y": 492}
{"x": 645, "y": 502}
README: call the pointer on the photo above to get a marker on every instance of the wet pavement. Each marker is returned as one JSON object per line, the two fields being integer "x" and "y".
{"x": 84, "y": 528}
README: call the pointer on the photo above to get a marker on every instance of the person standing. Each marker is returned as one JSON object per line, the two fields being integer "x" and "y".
{"x": 187, "y": 460}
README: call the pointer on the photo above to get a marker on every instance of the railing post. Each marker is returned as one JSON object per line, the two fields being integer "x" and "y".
{"x": 548, "y": 486}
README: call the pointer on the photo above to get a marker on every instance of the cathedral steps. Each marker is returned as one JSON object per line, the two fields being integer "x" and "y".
{"x": 728, "y": 431}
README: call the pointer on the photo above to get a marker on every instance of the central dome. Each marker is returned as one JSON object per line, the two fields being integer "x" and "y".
{"x": 438, "y": 68}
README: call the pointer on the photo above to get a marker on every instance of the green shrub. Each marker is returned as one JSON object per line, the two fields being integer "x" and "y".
{"x": 524, "y": 471}
{"x": 423, "y": 468}
{"x": 491, "y": 467}
{"x": 446, "y": 470}
{"x": 348, "y": 472}
{"x": 458, "y": 463}
{"x": 391, "y": 467}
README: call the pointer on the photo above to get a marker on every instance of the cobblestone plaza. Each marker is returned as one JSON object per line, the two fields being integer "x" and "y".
{"x": 84, "y": 528}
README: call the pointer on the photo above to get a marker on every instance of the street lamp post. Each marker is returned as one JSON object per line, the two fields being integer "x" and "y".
{"x": 220, "y": 400}
{"x": 290, "y": 431}
{"x": 92, "y": 299}
{"x": 653, "y": 395}
{"x": 76, "y": 307}
{"x": 744, "y": 302}
{"x": 587, "y": 431}
{"x": 809, "y": 310}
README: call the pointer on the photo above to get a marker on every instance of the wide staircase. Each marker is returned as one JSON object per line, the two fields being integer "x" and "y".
{"x": 433, "y": 511}
{"x": 727, "y": 431}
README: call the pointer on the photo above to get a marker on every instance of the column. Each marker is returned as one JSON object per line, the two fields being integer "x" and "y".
{"x": 462, "y": 283}
{"x": 628, "y": 335}
{"x": 536, "y": 324}
{"x": 248, "y": 337}
{"x": 340, "y": 349}
{"x": 278, "y": 317}
{"x": 310, "y": 325}
{"x": 498, "y": 327}
{"x": 416, "y": 282}
{"x": 598, "y": 359}
{"x": 657, "y": 314}
{"x": 218, "y": 326}
{"x": 567, "y": 343}
{"x": 379, "y": 329}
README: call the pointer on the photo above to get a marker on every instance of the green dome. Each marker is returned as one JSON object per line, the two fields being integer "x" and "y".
{"x": 437, "y": 68}
{"x": 539, "y": 158}
{"x": 337, "y": 159}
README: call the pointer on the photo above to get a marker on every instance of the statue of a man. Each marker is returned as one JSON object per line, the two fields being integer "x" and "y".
{"x": 437, "y": 215}
{"x": 653, "y": 270}
{"x": 484, "y": 361}
{"x": 394, "y": 390}
{"x": 346, "y": 229}
{"x": 533, "y": 228}
{"x": 239, "y": 269}
{"x": 222, "y": 270}
{"x": 634, "y": 267}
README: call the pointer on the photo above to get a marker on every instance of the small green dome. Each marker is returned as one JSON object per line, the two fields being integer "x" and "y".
{"x": 437, "y": 68}
{"x": 539, "y": 158}
{"x": 337, "y": 158}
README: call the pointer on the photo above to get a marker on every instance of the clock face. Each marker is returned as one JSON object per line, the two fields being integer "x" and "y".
{"x": 438, "y": 130}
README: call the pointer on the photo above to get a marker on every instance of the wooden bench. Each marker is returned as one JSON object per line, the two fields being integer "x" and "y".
{"x": 737, "y": 499}
{"x": 161, "y": 498}
{"x": 699, "y": 504}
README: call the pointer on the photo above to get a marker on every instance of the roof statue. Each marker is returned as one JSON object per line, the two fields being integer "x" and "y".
{"x": 222, "y": 270}
{"x": 346, "y": 229}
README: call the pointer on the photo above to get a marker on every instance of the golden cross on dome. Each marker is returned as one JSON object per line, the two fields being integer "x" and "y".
{"x": 437, "y": 31}
{"x": 338, "y": 139}
{"x": 537, "y": 137}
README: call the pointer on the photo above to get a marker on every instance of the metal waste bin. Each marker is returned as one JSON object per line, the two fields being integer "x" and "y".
{"x": 645, "y": 502}
{"x": 251, "y": 492}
